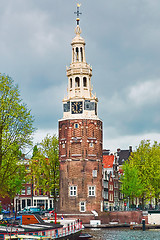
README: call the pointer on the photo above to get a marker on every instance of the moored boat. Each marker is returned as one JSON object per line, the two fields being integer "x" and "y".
{"x": 36, "y": 228}
{"x": 85, "y": 236}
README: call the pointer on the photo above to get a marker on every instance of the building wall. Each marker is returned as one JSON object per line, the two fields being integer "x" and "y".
{"x": 80, "y": 155}
{"x": 107, "y": 217}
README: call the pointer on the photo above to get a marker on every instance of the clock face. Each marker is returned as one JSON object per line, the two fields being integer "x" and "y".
{"x": 77, "y": 107}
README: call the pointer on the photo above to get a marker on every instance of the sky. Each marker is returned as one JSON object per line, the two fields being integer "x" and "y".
{"x": 122, "y": 45}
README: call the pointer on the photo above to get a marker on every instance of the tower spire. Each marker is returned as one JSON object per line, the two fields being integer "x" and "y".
{"x": 78, "y": 14}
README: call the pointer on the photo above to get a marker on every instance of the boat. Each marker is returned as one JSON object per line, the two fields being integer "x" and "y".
{"x": 32, "y": 226}
{"x": 84, "y": 236}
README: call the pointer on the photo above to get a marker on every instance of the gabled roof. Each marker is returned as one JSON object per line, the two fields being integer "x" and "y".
{"x": 108, "y": 161}
{"x": 123, "y": 156}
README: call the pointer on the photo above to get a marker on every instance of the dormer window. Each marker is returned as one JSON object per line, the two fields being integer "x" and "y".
{"x": 77, "y": 82}
{"x": 84, "y": 82}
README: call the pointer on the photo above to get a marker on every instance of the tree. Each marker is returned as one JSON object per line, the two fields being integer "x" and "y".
{"x": 16, "y": 128}
{"x": 146, "y": 161}
{"x": 45, "y": 166}
{"x": 131, "y": 184}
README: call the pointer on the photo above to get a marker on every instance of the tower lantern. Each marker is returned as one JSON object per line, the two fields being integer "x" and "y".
{"x": 80, "y": 137}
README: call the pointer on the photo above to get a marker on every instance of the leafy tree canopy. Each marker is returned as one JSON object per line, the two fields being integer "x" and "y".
{"x": 16, "y": 128}
{"x": 144, "y": 164}
{"x": 131, "y": 184}
{"x": 45, "y": 166}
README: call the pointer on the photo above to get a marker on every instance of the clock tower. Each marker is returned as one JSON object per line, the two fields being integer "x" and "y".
{"x": 80, "y": 137}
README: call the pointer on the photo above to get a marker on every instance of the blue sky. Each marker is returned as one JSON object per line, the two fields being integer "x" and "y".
{"x": 122, "y": 45}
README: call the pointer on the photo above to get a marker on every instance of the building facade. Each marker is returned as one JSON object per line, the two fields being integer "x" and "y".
{"x": 80, "y": 137}
{"x": 29, "y": 196}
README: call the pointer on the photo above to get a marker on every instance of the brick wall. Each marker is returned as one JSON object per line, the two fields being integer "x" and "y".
{"x": 107, "y": 217}
{"x": 80, "y": 153}
{"x": 121, "y": 217}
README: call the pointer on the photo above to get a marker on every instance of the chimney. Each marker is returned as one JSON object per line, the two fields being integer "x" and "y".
{"x": 118, "y": 150}
{"x": 130, "y": 148}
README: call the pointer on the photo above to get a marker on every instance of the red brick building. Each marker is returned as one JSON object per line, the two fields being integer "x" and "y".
{"x": 80, "y": 138}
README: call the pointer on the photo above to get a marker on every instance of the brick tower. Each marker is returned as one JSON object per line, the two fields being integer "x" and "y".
{"x": 80, "y": 137}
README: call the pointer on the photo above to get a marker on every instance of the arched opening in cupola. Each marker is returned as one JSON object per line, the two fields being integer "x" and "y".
{"x": 84, "y": 82}
{"x": 77, "y": 54}
{"x": 77, "y": 82}
{"x": 70, "y": 82}
{"x": 81, "y": 50}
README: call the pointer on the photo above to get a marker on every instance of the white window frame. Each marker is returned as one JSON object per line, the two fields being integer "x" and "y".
{"x": 23, "y": 191}
{"x": 81, "y": 206}
{"x": 115, "y": 193}
{"x": 94, "y": 173}
{"x": 91, "y": 191}
{"x": 73, "y": 191}
{"x": 111, "y": 197}
{"x": 28, "y": 190}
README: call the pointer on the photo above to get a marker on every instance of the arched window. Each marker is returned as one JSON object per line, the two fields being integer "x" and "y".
{"x": 70, "y": 82}
{"x": 84, "y": 82}
{"x": 73, "y": 55}
{"x": 77, "y": 82}
{"x": 77, "y": 50}
{"x": 81, "y": 50}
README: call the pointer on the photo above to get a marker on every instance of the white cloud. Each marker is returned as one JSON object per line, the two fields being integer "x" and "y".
{"x": 40, "y": 134}
{"x": 123, "y": 142}
{"x": 145, "y": 92}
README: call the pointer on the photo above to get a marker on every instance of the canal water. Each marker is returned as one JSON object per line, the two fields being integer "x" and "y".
{"x": 122, "y": 234}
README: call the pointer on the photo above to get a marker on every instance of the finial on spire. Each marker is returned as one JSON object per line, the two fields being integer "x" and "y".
{"x": 78, "y": 13}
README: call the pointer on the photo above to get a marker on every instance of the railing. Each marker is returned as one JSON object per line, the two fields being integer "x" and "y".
{"x": 65, "y": 231}
{"x": 75, "y": 227}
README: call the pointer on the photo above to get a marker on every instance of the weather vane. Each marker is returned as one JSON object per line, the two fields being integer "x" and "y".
{"x": 78, "y": 13}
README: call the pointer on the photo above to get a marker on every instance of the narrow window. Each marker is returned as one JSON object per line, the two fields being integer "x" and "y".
{"x": 82, "y": 206}
{"x": 94, "y": 173}
{"x": 84, "y": 82}
{"x": 77, "y": 82}
{"x": 70, "y": 82}
{"x": 76, "y": 125}
{"x": 23, "y": 191}
{"x": 81, "y": 54}
{"x": 63, "y": 145}
{"x": 28, "y": 190}
{"x": 77, "y": 53}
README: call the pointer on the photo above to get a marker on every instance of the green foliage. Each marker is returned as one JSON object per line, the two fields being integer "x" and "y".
{"x": 145, "y": 164}
{"x": 35, "y": 151}
{"x": 45, "y": 166}
{"x": 131, "y": 184}
{"x": 16, "y": 128}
